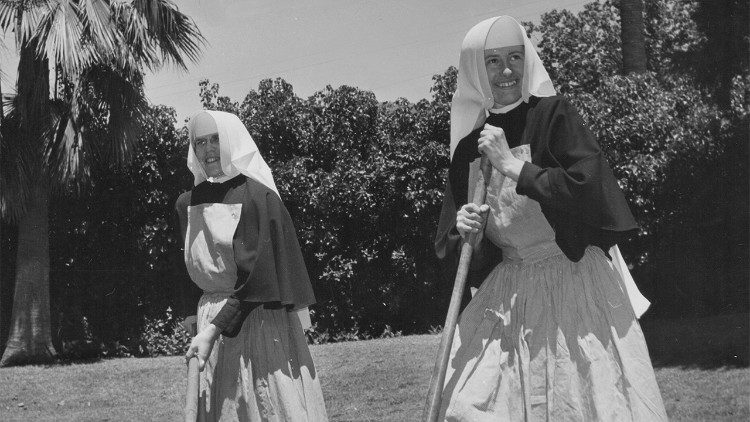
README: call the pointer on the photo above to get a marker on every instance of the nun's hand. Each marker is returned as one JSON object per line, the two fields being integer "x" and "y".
{"x": 470, "y": 218}
{"x": 202, "y": 344}
{"x": 493, "y": 144}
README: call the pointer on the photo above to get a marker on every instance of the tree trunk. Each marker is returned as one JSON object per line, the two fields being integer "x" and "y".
{"x": 3, "y": 282}
{"x": 7, "y": 275}
{"x": 2, "y": 104}
{"x": 30, "y": 339}
{"x": 633, "y": 41}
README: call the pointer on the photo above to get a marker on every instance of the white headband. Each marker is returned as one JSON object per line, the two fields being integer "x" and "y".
{"x": 202, "y": 124}
{"x": 504, "y": 32}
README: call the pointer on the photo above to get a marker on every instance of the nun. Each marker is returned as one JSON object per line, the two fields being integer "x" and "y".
{"x": 552, "y": 331}
{"x": 242, "y": 251}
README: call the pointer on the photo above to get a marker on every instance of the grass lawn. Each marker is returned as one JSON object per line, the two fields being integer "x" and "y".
{"x": 377, "y": 380}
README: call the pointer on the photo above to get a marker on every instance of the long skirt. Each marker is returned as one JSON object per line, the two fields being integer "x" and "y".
{"x": 265, "y": 373}
{"x": 551, "y": 340}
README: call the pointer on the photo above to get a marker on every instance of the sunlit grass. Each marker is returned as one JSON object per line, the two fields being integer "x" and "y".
{"x": 378, "y": 380}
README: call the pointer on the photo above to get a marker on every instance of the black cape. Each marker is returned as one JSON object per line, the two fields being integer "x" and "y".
{"x": 270, "y": 266}
{"x": 568, "y": 176}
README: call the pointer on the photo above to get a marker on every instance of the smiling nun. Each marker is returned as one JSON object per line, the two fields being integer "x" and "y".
{"x": 242, "y": 251}
{"x": 551, "y": 333}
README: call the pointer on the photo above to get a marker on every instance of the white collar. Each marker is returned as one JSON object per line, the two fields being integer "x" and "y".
{"x": 506, "y": 108}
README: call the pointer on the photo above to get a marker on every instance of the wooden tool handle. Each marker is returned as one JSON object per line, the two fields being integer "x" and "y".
{"x": 432, "y": 407}
{"x": 191, "y": 392}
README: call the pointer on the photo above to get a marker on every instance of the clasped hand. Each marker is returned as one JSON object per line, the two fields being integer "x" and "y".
{"x": 470, "y": 218}
{"x": 493, "y": 144}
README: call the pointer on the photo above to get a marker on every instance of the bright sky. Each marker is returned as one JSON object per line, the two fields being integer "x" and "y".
{"x": 390, "y": 47}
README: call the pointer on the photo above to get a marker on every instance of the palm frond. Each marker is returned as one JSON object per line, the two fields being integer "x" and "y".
{"x": 30, "y": 13}
{"x": 65, "y": 155}
{"x": 60, "y": 32}
{"x": 3, "y": 81}
{"x": 107, "y": 109}
{"x": 77, "y": 34}
{"x": 7, "y": 14}
{"x": 97, "y": 19}
{"x": 127, "y": 109}
{"x": 158, "y": 32}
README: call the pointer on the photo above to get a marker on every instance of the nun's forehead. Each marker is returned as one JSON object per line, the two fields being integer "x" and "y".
{"x": 510, "y": 49}
{"x": 203, "y": 124}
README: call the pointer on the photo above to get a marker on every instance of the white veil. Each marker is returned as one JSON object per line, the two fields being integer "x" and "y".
{"x": 473, "y": 96}
{"x": 239, "y": 153}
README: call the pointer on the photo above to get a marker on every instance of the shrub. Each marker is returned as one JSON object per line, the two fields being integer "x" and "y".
{"x": 163, "y": 337}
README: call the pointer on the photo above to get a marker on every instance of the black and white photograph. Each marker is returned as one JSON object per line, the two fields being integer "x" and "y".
{"x": 374, "y": 210}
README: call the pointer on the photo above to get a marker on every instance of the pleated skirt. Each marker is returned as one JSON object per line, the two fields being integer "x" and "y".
{"x": 265, "y": 373}
{"x": 551, "y": 340}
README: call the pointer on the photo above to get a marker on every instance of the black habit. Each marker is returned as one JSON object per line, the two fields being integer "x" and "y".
{"x": 568, "y": 175}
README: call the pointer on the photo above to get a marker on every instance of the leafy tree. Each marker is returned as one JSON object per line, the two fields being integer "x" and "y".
{"x": 664, "y": 135}
{"x": 579, "y": 50}
{"x": 343, "y": 125}
{"x": 113, "y": 246}
{"x": 211, "y": 100}
{"x": 659, "y": 139}
{"x": 276, "y": 119}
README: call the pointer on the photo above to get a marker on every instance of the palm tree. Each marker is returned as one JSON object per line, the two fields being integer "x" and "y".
{"x": 97, "y": 51}
{"x": 2, "y": 75}
{"x": 633, "y": 40}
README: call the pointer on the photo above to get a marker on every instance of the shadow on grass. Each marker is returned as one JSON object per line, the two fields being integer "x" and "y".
{"x": 706, "y": 343}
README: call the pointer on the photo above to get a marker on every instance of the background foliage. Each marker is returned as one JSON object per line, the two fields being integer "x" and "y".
{"x": 363, "y": 181}
{"x": 676, "y": 138}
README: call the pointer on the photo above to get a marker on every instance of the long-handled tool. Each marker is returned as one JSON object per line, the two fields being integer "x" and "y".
{"x": 191, "y": 392}
{"x": 432, "y": 407}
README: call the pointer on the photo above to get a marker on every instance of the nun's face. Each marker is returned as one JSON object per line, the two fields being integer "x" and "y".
{"x": 207, "y": 151}
{"x": 505, "y": 72}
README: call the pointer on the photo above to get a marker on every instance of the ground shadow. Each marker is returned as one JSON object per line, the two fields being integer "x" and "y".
{"x": 706, "y": 343}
